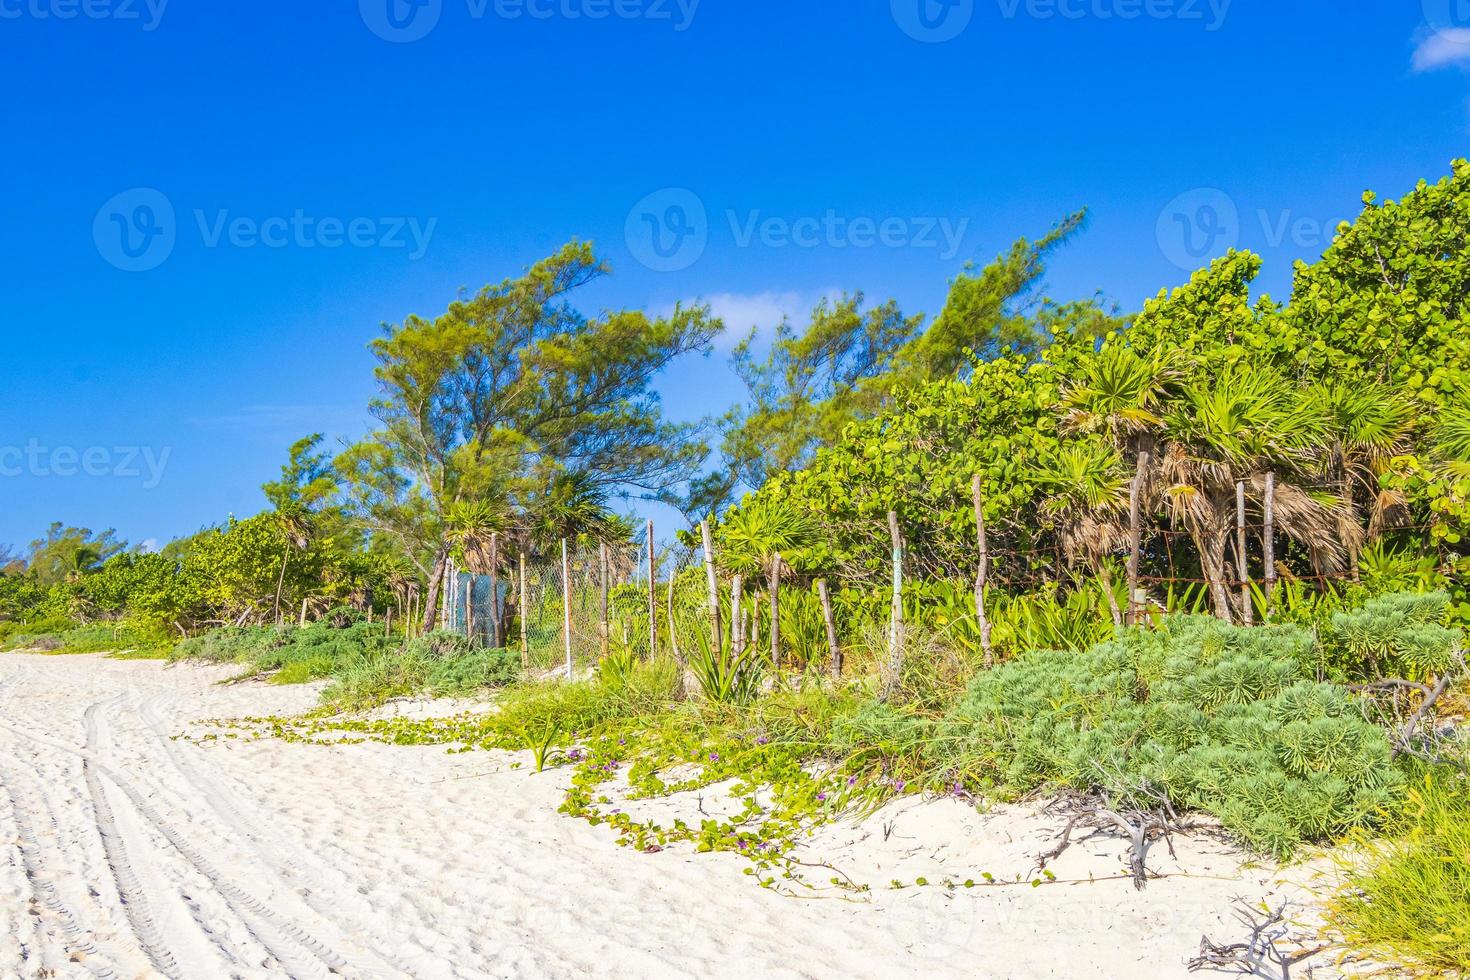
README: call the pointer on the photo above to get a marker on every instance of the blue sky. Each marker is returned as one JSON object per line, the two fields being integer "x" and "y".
{"x": 290, "y": 175}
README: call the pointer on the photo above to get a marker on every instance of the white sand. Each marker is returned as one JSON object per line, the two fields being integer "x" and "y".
{"x": 126, "y": 853}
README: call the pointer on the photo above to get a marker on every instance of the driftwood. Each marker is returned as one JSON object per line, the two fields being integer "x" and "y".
{"x": 1143, "y": 828}
{"x": 1408, "y": 739}
{"x": 1259, "y": 955}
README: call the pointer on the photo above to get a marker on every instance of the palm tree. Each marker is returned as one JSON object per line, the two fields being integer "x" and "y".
{"x": 755, "y": 537}
{"x": 475, "y": 527}
{"x": 1369, "y": 424}
{"x": 1088, "y": 485}
{"x": 1232, "y": 430}
{"x": 571, "y": 505}
{"x": 1120, "y": 396}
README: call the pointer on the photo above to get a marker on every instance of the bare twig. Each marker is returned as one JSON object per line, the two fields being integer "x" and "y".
{"x": 1259, "y": 955}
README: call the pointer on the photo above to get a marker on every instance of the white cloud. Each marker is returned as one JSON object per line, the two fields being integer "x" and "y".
{"x": 1443, "y": 49}
{"x": 763, "y": 311}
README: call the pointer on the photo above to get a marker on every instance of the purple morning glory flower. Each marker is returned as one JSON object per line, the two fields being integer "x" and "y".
{"x": 821, "y": 797}
{"x": 898, "y": 786}
{"x": 852, "y": 780}
{"x": 762, "y": 741}
{"x": 714, "y": 757}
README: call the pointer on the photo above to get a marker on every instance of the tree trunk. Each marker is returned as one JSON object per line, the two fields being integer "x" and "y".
{"x": 982, "y": 572}
{"x": 834, "y": 649}
{"x": 1212, "y": 562}
{"x": 895, "y": 622}
{"x": 281, "y": 583}
{"x": 436, "y": 576}
{"x": 775, "y": 589}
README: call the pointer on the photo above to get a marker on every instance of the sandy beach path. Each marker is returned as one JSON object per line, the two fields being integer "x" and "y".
{"x": 125, "y": 852}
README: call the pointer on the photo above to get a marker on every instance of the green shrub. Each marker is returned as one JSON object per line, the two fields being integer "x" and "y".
{"x": 1402, "y": 635}
{"x": 1409, "y": 902}
{"x": 1222, "y": 719}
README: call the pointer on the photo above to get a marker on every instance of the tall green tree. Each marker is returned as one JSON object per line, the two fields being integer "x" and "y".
{"x": 510, "y": 387}
{"x": 851, "y": 362}
{"x": 68, "y": 552}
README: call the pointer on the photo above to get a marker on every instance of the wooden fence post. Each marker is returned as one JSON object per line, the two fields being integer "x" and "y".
{"x": 895, "y": 622}
{"x": 1268, "y": 543}
{"x": 1135, "y": 536}
{"x": 834, "y": 649}
{"x": 652, "y": 597}
{"x": 525, "y": 609}
{"x": 604, "y": 628}
{"x": 712, "y": 582}
{"x": 737, "y": 622}
{"x": 1242, "y": 563}
{"x": 495, "y": 637}
{"x": 566, "y": 604}
{"x": 982, "y": 574}
{"x": 469, "y": 610}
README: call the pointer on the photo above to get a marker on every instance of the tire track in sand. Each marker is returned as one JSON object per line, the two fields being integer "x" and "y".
{"x": 130, "y": 891}
{"x": 79, "y": 947}
{"x": 233, "y": 812}
{"x": 277, "y": 936}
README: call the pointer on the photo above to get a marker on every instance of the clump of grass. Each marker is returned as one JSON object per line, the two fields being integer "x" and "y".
{"x": 126, "y": 638}
{"x": 366, "y": 667}
{"x": 1410, "y": 901}
{"x": 441, "y": 664}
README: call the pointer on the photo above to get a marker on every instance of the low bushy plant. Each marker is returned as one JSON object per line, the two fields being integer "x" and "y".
{"x": 1401, "y": 635}
{"x": 1222, "y": 719}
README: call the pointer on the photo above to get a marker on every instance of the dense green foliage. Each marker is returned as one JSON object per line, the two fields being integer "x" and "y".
{"x": 1205, "y": 392}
